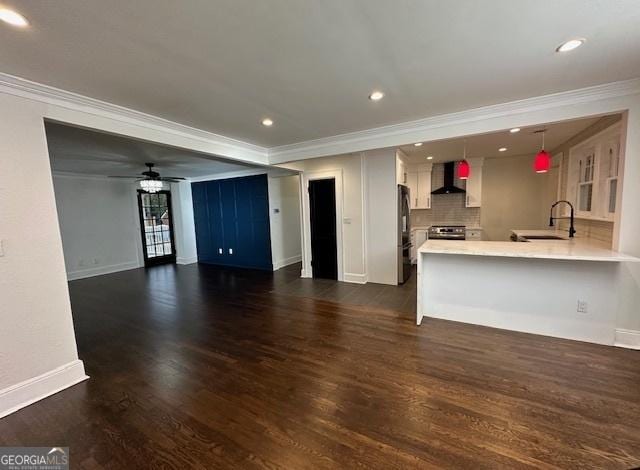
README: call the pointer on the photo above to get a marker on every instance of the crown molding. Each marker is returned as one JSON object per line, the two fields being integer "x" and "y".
{"x": 54, "y": 96}
{"x": 458, "y": 123}
{"x": 230, "y": 174}
{"x": 413, "y": 131}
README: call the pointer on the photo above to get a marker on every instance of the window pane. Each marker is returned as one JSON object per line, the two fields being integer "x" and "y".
{"x": 613, "y": 187}
{"x": 159, "y": 250}
{"x": 585, "y": 197}
{"x": 147, "y": 212}
{"x": 167, "y": 248}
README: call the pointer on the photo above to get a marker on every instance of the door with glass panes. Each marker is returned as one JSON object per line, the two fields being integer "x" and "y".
{"x": 157, "y": 227}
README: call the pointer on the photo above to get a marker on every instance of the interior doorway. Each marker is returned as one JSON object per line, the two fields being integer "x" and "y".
{"x": 322, "y": 211}
{"x": 156, "y": 225}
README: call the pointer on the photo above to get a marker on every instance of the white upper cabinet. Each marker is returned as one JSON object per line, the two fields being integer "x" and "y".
{"x": 474, "y": 183}
{"x": 419, "y": 183}
{"x": 594, "y": 170}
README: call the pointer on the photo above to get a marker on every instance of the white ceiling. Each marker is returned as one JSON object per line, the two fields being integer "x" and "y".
{"x": 222, "y": 65}
{"x": 524, "y": 142}
{"x": 75, "y": 150}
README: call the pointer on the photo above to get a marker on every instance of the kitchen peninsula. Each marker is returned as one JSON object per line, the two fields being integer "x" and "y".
{"x": 563, "y": 288}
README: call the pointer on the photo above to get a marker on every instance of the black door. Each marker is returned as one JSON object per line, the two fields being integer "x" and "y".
{"x": 322, "y": 205}
{"x": 156, "y": 225}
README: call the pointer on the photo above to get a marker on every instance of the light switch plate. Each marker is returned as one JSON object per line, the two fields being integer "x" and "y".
{"x": 1, "y": 247}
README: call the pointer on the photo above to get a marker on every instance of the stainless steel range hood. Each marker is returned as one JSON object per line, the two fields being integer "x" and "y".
{"x": 448, "y": 187}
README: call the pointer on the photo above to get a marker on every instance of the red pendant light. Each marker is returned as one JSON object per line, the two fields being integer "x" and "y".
{"x": 464, "y": 170}
{"x": 542, "y": 162}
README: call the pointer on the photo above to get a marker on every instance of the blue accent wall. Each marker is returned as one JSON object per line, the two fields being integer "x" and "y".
{"x": 233, "y": 214}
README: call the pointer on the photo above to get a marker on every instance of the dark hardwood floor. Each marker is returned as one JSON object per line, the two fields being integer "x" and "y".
{"x": 202, "y": 367}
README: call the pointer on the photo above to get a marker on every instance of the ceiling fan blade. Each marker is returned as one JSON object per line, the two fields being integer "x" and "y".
{"x": 172, "y": 178}
{"x": 130, "y": 177}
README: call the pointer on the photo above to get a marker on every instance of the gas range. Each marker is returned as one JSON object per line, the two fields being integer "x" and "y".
{"x": 446, "y": 232}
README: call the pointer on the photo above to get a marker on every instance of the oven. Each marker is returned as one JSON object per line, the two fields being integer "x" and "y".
{"x": 446, "y": 232}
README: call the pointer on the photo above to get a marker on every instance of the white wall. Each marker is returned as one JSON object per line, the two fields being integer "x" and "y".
{"x": 37, "y": 345}
{"x": 350, "y": 166}
{"x": 382, "y": 216}
{"x": 284, "y": 219}
{"x": 99, "y": 223}
{"x": 513, "y": 196}
{"x": 183, "y": 223}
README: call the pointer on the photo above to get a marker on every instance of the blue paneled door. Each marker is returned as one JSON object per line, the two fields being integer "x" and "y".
{"x": 232, "y": 222}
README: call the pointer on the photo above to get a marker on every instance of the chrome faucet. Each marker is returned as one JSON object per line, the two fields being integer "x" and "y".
{"x": 572, "y": 230}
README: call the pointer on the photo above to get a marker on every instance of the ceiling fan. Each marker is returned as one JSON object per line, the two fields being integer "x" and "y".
{"x": 151, "y": 181}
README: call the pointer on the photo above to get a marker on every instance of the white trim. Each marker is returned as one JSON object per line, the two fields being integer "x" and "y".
{"x": 444, "y": 126}
{"x": 281, "y": 263}
{"x": 307, "y": 270}
{"x": 86, "y": 176}
{"x": 355, "y": 278}
{"x": 188, "y": 260}
{"x": 100, "y": 270}
{"x": 364, "y": 196}
{"x": 230, "y": 174}
{"x": 34, "y": 389}
{"x": 629, "y": 339}
{"x": 229, "y": 148}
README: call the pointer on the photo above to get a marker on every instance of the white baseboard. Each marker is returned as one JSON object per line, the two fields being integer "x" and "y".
{"x": 186, "y": 260}
{"x": 100, "y": 270}
{"x": 629, "y": 339}
{"x": 355, "y": 278}
{"x": 305, "y": 274}
{"x": 32, "y": 390}
{"x": 281, "y": 263}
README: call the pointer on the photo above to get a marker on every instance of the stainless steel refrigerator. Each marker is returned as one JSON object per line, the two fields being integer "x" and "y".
{"x": 404, "y": 234}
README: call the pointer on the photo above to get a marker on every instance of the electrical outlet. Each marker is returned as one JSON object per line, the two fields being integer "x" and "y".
{"x": 582, "y": 306}
{"x": 1, "y": 248}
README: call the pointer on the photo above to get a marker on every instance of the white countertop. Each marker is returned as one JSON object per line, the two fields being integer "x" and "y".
{"x": 575, "y": 250}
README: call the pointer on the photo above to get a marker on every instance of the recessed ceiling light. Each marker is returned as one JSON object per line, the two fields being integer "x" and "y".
{"x": 514, "y": 130}
{"x": 502, "y": 149}
{"x": 13, "y": 18}
{"x": 376, "y": 95}
{"x": 418, "y": 144}
{"x": 570, "y": 45}
{"x": 430, "y": 157}
{"x": 267, "y": 122}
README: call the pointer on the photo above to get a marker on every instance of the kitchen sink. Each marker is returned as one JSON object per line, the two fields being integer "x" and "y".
{"x": 543, "y": 237}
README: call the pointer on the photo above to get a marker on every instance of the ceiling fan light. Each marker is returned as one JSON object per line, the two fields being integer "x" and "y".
{"x": 151, "y": 186}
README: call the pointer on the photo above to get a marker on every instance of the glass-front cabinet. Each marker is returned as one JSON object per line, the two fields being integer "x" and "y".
{"x": 594, "y": 167}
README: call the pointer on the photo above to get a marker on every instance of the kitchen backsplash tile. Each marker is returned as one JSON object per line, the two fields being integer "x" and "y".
{"x": 446, "y": 209}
